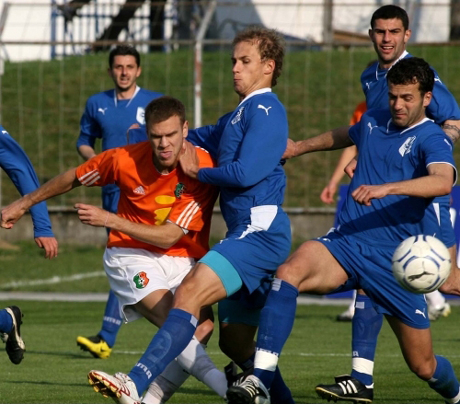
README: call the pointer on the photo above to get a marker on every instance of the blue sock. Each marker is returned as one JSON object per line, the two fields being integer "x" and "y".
{"x": 366, "y": 325}
{"x": 170, "y": 340}
{"x": 279, "y": 392}
{"x": 276, "y": 321}
{"x": 6, "y": 322}
{"x": 112, "y": 320}
{"x": 444, "y": 380}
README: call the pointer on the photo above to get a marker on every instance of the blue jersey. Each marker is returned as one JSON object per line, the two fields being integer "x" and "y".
{"x": 20, "y": 170}
{"x": 107, "y": 118}
{"x": 247, "y": 145}
{"x": 388, "y": 153}
{"x": 443, "y": 105}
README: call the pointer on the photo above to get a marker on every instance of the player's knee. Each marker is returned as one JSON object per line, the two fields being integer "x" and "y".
{"x": 424, "y": 369}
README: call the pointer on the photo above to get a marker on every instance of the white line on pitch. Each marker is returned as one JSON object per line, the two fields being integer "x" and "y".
{"x": 53, "y": 280}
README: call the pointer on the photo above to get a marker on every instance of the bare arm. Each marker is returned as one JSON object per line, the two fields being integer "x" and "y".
{"x": 452, "y": 129}
{"x": 86, "y": 152}
{"x": 331, "y": 140}
{"x": 56, "y": 186}
{"x": 438, "y": 182}
{"x": 163, "y": 236}
{"x": 327, "y": 196}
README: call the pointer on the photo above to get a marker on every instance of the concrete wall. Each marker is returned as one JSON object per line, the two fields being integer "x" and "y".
{"x": 68, "y": 229}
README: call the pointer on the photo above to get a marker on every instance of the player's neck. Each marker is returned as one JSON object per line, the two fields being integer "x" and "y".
{"x": 125, "y": 94}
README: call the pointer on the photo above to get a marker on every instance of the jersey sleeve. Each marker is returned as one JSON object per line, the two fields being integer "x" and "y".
{"x": 437, "y": 148}
{"x": 263, "y": 144}
{"x": 19, "y": 169}
{"x": 98, "y": 171}
{"x": 443, "y": 105}
{"x": 89, "y": 127}
{"x": 195, "y": 205}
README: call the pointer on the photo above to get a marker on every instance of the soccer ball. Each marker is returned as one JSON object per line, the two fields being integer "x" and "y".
{"x": 421, "y": 264}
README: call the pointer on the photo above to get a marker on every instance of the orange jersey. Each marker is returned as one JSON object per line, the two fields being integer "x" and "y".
{"x": 358, "y": 112}
{"x": 149, "y": 197}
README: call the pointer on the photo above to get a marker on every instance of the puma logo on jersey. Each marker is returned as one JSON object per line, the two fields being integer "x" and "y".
{"x": 406, "y": 147}
{"x": 371, "y": 127}
{"x": 260, "y": 106}
{"x": 139, "y": 190}
{"x": 422, "y": 313}
{"x": 102, "y": 110}
{"x": 4, "y": 131}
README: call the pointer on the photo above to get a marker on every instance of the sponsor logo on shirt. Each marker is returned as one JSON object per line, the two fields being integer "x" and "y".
{"x": 238, "y": 116}
{"x": 140, "y": 115}
{"x": 102, "y": 110}
{"x": 407, "y": 146}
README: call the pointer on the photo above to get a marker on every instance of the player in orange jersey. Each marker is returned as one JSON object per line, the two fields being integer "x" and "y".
{"x": 161, "y": 228}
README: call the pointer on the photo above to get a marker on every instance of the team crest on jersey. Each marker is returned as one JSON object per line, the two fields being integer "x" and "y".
{"x": 407, "y": 146}
{"x": 141, "y": 280}
{"x": 140, "y": 115}
{"x": 238, "y": 116}
{"x": 180, "y": 188}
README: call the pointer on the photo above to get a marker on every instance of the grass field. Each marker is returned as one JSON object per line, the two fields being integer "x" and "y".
{"x": 54, "y": 369}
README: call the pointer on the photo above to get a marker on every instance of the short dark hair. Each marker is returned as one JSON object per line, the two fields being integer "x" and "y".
{"x": 163, "y": 108}
{"x": 270, "y": 43}
{"x": 389, "y": 12}
{"x": 124, "y": 50}
{"x": 411, "y": 71}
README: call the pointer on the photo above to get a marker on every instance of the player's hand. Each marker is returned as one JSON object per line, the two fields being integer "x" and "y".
{"x": 351, "y": 167}
{"x": 290, "y": 151}
{"x": 12, "y": 213}
{"x": 189, "y": 160}
{"x": 327, "y": 196}
{"x": 92, "y": 215}
{"x": 365, "y": 193}
{"x": 49, "y": 244}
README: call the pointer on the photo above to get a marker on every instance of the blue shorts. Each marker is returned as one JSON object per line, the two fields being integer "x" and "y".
{"x": 369, "y": 268}
{"x": 110, "y": 198}
{"x": 441, "y": 207}
{"x": 242, "y": 306}
{"x": 255, "y": 252}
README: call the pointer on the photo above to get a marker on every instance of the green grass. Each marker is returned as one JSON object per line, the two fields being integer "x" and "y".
{"x": 319, "y": 89}
{"x": 54, "y": 369}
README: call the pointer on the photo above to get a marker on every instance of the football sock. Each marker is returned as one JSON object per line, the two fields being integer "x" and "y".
{"x": 196, "y": 361}
{"x": 276, "y": 321}
{"x": 279, "y": 392}
{"x": 366, "y": 325}
{"x": 166, "y": 384}
{"x": 435, "y": 299}
{"x": 112, "y": 320}
{"x": 444, "y": 380}
{"x": 6, "y": 322}
{"x": 170, "y": 340}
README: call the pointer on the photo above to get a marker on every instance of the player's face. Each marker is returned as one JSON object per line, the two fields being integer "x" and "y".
{"x": 407, "y": 105}
{"x": 124, "y": 72}
{"x": 250, "y": 73}
{"x": 166, "y": 139}
{"x": 389, "y": 38}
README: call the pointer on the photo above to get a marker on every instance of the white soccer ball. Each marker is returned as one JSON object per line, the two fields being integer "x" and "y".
{"x": 421, "y": 264}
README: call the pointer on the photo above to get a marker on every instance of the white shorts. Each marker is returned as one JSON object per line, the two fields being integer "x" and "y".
{"x": 134, "y": 273}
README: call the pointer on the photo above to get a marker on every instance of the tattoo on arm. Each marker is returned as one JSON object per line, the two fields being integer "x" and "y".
{"x": 452, "y": 131}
